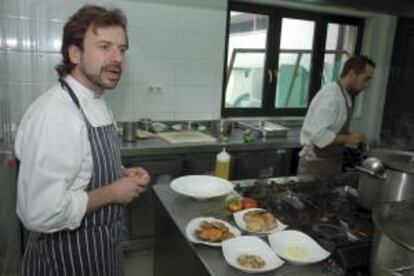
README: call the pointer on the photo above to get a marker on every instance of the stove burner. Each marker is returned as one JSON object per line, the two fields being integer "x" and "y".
{"x": 326, "y": 208}
{"x": 329, "y": 231}
{"x": 328, "y": 234}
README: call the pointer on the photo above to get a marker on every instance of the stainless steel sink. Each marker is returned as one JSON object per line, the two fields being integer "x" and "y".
{"x": 265, "y": 128}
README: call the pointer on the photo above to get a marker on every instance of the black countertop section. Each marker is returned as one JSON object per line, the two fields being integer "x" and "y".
{"x": 158, "y": 146}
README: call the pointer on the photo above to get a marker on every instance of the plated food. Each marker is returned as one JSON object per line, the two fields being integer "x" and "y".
{"x": 213, "y": 231}
{"x": 257, "y": 220}
{"x": 251, "y": 261}
{"x": 297, "y": 247}
{"x": 210, "y": 231}
{"x": 250, "y": 254}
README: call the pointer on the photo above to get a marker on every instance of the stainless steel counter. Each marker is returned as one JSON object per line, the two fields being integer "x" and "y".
{"x": 175, "y": 255}
{"x": 158, "y": 146}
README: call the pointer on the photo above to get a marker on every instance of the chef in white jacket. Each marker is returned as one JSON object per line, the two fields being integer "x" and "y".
{"x": 326, "y": 128}
{"x": 71, "y": 185}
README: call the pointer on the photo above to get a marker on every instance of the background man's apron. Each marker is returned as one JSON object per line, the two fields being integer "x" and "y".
{"x": 329, "y": 160}
{"x": 95, "y": 247}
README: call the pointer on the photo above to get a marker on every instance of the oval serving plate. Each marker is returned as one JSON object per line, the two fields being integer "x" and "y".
{"x": 194, "y": 224}
{"x": 297, "y": 248}
{"x": 240, "y": 222}
{"x": 250, "y": 245}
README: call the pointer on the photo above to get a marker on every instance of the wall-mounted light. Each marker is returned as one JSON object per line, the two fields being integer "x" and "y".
{"x": 11, "y": 42}
{"x": 27, "y": 43}
{"x": 57, "y": 44}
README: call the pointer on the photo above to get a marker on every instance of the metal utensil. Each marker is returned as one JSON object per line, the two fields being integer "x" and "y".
{"x": 371, "y": 173}
{"x": 374, "y": 165}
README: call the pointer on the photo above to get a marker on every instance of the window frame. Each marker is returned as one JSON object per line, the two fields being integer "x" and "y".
{"x": 272, "y": 51}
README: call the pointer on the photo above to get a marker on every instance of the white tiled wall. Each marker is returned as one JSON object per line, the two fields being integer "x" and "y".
{"x": 174, "y": 66}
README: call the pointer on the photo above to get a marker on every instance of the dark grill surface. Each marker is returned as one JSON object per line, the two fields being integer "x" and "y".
{"x": 326, "y": 209}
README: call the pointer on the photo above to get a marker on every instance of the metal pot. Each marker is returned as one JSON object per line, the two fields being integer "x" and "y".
{"x": 369, "y": 190}
{"x": 129, "y": 131}
{"x": 393, "y": 243}
{"x": 395, "y": 184}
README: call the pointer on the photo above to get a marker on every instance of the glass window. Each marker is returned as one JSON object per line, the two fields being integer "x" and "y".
{"x": 340, "y": 44}
{"x": 246, "y": 60}
{"x": 278, "y": 58}
{"x": 292, "y": 89}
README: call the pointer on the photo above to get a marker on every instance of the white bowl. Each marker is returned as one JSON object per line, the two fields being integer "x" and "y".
{"x": 297, "y": 248}
{"x": 240, "y": 222}
{"x": 201, "y": 186}
{"x": 194, "y": 224}
{"x": 233, "y": 248}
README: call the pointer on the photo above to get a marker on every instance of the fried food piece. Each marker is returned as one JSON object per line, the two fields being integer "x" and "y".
{"x": 227, "y": 235}
{"x": 259, "y": 221}
{"x": 251, "y": 261}
{"x": 214, "y": 231}
{"x": 211, "y": 235}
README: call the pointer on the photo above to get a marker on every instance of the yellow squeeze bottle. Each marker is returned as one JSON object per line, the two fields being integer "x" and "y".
{"x": 223, "y": 164}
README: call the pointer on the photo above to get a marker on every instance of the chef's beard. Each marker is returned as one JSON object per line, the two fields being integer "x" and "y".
{"x": 97, "y": 80}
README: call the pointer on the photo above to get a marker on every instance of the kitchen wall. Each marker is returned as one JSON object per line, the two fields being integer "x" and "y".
{"x": 175, "y": 62}
{"x": 174, "y": 65}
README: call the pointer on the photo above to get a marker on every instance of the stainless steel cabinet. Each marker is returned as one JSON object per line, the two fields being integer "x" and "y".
{"x": 139, "y": 219}
{"x": 261, "y": 164}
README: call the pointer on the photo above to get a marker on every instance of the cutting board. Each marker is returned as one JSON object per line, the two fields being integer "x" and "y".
{"x": 178, "y": 137}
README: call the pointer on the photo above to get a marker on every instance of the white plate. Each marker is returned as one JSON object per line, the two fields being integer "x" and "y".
{"x": 297, "y": 247}
{"x": 233, "y": 248}
{"x": 238, "y": 218}
{"x": 201, "y": 186}
{"x": 194, "y": 224}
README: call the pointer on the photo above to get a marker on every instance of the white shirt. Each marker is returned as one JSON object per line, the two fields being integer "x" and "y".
{"x": 56, "y": 162}
{"x": 326, "y": 115}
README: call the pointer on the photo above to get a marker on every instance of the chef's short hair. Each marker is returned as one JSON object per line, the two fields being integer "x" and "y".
{"x": 357, "y": 64}
{"x": 77, "y": 25}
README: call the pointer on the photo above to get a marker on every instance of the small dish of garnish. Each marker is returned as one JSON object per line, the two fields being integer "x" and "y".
{"x": 250, "y": 254}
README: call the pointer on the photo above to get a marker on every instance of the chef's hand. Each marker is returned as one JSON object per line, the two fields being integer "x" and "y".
{"x": 137, "y": 171}
{"x": 355, "y": 138}
{"x": 127, "y": 188}
{"x": 122, "y": 191}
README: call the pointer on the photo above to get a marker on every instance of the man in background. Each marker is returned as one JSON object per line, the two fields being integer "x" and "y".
{"x": 326, "y": 128}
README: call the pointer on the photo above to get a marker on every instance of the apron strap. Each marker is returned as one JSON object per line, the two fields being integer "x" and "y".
{"x": 349, "y": 110}
{"x": 69, "y": 89}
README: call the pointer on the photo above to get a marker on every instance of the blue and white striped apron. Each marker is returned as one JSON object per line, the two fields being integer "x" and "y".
{"x": 95, "y": 247}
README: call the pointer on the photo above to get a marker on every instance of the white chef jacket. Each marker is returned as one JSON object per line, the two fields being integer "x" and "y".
{"x": 56, "y": 163}
{"x": 326, "y": 115}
